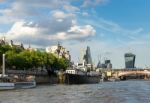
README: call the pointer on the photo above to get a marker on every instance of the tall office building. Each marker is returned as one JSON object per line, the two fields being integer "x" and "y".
{"x": 87, "y": 56}
{"x": 107, "y": 64}
{"x": 129, "y": 60}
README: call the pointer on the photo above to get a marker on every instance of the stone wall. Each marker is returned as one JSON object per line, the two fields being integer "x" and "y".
{"x": 46, "y": 79}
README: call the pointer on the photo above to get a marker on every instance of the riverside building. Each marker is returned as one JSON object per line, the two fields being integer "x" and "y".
{"x": 59, "y": 51}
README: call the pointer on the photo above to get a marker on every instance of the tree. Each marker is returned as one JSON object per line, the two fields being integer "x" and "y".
{"x": 3, "y": 49}
{"x": 10, "y": 59}
{"x": 25, "y": 59}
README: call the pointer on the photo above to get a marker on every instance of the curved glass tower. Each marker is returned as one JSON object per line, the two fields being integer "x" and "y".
{"x": 129, "y": 60}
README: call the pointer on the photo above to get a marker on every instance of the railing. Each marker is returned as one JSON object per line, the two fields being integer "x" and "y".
{"x": 25, "y": 72}
{"x": 127, "y": 70}
{"x": 134, "y": 72}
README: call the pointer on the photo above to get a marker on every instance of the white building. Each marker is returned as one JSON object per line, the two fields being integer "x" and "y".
{"x": 59, "y": 51}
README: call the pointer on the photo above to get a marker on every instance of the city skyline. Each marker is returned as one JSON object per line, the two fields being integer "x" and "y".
{"x": 110, "y": 28}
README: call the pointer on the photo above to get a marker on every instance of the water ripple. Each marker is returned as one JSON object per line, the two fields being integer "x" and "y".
{"x": 106, "y": 92}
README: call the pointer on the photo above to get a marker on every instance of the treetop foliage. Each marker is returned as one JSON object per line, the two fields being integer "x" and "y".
{"x": 18, "y": 58}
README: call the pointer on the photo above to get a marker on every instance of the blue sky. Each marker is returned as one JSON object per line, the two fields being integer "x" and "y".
{"x": 110, "y": 27}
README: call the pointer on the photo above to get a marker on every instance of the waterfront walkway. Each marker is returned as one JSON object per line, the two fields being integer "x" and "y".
{"x": 27, "y": 72}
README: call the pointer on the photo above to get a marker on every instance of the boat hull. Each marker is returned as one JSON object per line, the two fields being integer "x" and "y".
{"x": 25, "y": 85}
{"x": 81, "y": 79}
{"x": 7, "y": 86}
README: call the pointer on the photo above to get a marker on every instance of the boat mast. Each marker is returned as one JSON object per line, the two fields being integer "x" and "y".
{"x": 3, "y": 71}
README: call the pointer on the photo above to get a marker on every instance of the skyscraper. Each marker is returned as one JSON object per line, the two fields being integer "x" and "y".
{"x": 129, "y": 60}
{"x": 107, "y": 64}
{"x": 87, "y": 56}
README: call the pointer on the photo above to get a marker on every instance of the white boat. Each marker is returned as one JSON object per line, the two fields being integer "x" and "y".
{"x": 113, "y": 79}
{"x": 5, "y": 84}
{"x": 5, "y": 81}
{"x": 25, "y": 85}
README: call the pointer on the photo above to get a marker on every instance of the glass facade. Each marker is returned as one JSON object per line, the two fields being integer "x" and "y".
{"x": 87, "y": 56}
{"x": 129, "y": 60}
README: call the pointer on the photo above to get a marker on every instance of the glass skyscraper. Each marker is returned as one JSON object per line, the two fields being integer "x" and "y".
{"x": 87, "y": 56}
{"x": 129, "y": 60}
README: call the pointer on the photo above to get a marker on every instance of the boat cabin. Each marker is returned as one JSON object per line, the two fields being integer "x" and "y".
{"x": 75, "y": 71}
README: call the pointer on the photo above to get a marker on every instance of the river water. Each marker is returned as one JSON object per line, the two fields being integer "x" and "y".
{"x": 105, "y": 92}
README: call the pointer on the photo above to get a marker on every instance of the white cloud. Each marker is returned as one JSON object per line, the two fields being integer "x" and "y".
{"x": 17, "y": 11}
{"x": 85, "y": 30}
{"x": 61, "y": 15}
{"x": 109, "y": 28}
{"x": 19, "y": 29}
{"x": 77, "y": 32}
{"x": 85, "y": 14}
{"x": 71, "y": 8}
{"x": 58, "y": 24}
{"x": 87, "y": 3}
{"x": 24, "y": 9}
{"x": 26, "y": 31}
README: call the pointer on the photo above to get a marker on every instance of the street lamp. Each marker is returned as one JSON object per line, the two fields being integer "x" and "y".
{"x": 3, "y": 71}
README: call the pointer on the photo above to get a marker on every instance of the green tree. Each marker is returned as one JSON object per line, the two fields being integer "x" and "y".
{"x": 25, "y": 59}
{"x": 10, "y": 59}
{"x": 3, "y": 49}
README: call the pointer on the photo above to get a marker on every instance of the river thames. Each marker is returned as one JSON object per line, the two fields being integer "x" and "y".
{"x": 105, "y": 92}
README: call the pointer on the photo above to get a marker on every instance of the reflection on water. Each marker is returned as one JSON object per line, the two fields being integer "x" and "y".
{"x": 106, "y": 92}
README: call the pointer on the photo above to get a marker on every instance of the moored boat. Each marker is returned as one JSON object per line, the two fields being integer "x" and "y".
{"x": 6, "y": 84}
{"x": 113, "y": 79}
{"x": 25, "y": 85}
{"x": 76, "y": 76}
{"x": 10, "y": 82}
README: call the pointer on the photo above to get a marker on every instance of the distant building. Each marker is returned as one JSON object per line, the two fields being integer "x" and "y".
{"x": 129, "y": 60}
{"x": 106, "y": 65}
{"x": 107, "y": 61}
{"x": 87, "y": 59}
{"x": 3, "y": 41}
{"x": 59, "y": 51}
{"x": 87, "y": 56}
{"x": 99, "y": 64}
{"x": 16, "y": 45}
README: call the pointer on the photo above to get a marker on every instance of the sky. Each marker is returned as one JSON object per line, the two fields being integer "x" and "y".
{"x": 110, "y": 27}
